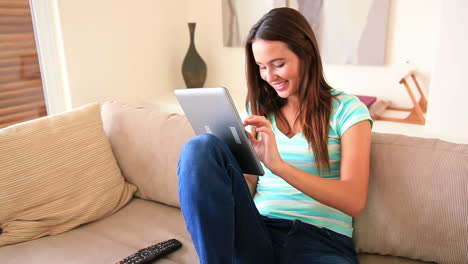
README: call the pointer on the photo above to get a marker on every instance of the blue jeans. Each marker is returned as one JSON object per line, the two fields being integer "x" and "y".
{"x": 225, "y": 225}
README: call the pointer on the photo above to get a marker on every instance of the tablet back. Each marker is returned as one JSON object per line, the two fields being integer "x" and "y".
{"x": 211, "y": 110}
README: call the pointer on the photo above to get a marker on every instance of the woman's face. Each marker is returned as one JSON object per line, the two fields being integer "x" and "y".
{"x": 278, "y": 66}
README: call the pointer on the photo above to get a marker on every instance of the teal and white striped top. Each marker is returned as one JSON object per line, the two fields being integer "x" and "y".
{"x": 277, "y": 199}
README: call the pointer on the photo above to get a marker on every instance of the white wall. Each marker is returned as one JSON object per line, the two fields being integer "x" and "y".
{"x": 119, "y": 49}
{"x": 447, "y": 115}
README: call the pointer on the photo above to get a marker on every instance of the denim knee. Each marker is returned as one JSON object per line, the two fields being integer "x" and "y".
{"x": 200, "y": 153}
{"x": 200, "y": 147}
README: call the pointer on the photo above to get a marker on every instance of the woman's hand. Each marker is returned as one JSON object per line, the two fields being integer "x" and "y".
{"x": 265, "y": 147}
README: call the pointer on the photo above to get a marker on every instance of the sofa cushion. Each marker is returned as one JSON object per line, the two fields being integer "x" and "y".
{"x": 56, "y": 173}
{"x": 418, "y": 200}
{"x": 146, "y": 143}
{"x": 137, "y": 225}
{"x": 378, "y": 259}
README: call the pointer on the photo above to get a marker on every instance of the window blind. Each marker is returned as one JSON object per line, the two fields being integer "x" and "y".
{"x": 21, "y": 91}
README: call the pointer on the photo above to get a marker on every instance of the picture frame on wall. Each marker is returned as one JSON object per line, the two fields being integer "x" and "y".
{"x": 347, "y": 32}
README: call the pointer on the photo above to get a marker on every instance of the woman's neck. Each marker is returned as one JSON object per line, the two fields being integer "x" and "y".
{"x": 292, "y": 103}
{"x": 290, "y": 112}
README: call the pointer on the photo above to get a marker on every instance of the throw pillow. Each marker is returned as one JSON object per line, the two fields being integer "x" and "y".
{"x": 56, "y": 173}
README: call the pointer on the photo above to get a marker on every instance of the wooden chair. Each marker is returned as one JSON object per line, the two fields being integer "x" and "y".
{"x": 416, "y": 113}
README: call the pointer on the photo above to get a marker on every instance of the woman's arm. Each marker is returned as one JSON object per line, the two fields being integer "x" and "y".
{"x": 349, "y": 194}
{"x": 251, "y": 182}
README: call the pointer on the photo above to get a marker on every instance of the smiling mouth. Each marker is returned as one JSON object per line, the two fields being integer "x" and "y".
{"x": 279, "y": 86}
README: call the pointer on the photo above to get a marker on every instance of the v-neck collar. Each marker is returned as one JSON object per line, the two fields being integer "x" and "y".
{"x": 279, "y": 132}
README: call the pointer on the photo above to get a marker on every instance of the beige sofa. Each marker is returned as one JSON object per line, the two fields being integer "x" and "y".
{"x": 417, "y": 208}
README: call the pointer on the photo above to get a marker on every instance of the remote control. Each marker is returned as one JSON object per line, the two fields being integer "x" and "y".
{"x": 153, "y": 252}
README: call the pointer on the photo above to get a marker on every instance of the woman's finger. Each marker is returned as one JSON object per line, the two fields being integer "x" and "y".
{"x": 257, "y": 121}
{"x": 264, "y": 130}
{"x": 251, "y": 137}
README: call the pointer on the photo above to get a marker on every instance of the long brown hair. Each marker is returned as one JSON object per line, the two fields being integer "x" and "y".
{"x": 315, "y": 98}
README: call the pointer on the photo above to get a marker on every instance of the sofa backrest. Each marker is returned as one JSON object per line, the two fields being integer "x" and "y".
{"x": 418, "y": 200}
{"x": 146, "y": 143}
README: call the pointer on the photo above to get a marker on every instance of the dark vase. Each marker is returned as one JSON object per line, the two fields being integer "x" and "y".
{"x": 193, "y": 67}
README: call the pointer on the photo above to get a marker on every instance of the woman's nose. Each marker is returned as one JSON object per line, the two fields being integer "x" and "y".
{"x": 270, "y": 75}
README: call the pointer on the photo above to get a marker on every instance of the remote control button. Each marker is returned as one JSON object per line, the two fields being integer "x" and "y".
{"x": 146, "y": 253}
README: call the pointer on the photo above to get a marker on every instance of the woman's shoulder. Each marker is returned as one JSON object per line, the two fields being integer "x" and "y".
{"x": 347, "y": 110}
{"x": 342, "y": 99}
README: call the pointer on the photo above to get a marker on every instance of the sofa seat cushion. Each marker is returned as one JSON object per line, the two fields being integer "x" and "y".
{"x": 378, "y": 259}
{"x": 137, "y": 225}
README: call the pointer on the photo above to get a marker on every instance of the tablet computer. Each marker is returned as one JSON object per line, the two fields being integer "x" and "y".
{"x": 211, "y": 110}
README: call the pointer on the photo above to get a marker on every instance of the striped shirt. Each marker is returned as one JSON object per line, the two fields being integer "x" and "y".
{"x": 277, "y": 199}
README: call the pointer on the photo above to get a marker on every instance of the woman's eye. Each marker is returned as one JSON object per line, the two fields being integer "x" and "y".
{"x": 279, "y": 65}
{"x": 261, "y": 67}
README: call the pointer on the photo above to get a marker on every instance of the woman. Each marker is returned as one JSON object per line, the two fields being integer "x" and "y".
{"x": 314, "y": 143}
